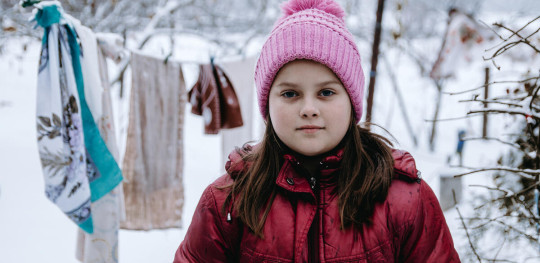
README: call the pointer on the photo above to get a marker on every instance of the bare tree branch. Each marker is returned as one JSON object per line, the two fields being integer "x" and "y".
{"x": 492, "y": 139}
{"x": 493, "y": 102}
{"x": 507, "y": 111}
{"x": 523, "y": 173}
{"x": 468, "y": 236}
{"x": 492, "y": 83}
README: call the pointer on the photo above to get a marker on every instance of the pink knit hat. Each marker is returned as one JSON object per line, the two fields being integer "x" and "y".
{"x": 314, "y": 30}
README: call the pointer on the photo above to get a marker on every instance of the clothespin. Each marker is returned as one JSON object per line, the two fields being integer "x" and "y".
{"x": 27, "y": 3}
{"x": 167, "y": 58}
{"x": 45, "y": 13}
{"x": 212, "y": 53}
{"x": 171, "y": 51}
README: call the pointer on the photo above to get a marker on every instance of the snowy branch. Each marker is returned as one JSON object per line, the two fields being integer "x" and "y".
{"x": 468, "y": 236}
{"x": 448, "y": 119}
{"x": 524, "y": 173}
{"x": 506, "y": 192}
{"x": 493, "y": 101}
{"x": 510, "y": 205}
{"x": 492, "y": 139}
{"x": 498, "y": 220}
{"x": 161, "y": 12}
{"x": 506, "y": 111}
{"x": 508, "y": 43}
{"x": 492, "y": 83}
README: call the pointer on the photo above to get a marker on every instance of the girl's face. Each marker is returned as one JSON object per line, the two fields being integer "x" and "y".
{"x": 309, "y": 107}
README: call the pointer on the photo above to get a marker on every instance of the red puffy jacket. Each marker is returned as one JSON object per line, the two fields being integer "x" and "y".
{"x": 408, "y": 226}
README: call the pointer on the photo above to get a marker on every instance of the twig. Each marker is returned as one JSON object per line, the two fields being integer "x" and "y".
{"x": 516, "y": 171}
{"x": 168, "y": 8}
{"x": 450, "y": 119}
{"x": 511, "y": 112}
{"x": 535, "y": 93}
{"x": 483, "y": 224}
{"x": 491, "y": 188}
{"x": 508, "y": 169}
{"x": 514, "y": 197}
{"x": 491, "y": 83}
{"x": 468, "y": 236}
{"x": 514, "y": 32}
{"x": 512, "y": 44}
{"x": 494, "y": 102}
{"x": 492, "y": 139}
{"x": 517, "y": 230}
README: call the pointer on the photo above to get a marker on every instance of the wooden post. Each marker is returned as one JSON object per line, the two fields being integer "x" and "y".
{"x": 374, "y": 59}
{"x": 486, "y": 95}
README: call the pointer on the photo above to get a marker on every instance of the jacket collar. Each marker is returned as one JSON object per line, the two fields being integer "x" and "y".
{"x": 290, "y": 179}
{"x": 404, "y": 167}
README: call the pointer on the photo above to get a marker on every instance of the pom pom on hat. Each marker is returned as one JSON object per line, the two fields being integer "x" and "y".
{"x": 314, "y": 30}
{"x": 328, "y": 6}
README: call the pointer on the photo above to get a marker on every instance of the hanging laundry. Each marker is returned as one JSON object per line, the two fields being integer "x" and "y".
{"x": 112, "y": 46}
{"x": 77, "y": 166}
{"x": 214, "y": 98}
{"x": 462, "y": 44}
{"x": 108, "y": 211}
{"x": 241, "y": 74}
{"x": 153, "y": 162}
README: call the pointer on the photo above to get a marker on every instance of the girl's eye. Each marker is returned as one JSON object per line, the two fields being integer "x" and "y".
{"x": 327, "y": 92}
{"x": 289, "y": 94}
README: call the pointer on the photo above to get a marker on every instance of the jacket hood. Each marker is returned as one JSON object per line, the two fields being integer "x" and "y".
{"x": 404, "y": 164}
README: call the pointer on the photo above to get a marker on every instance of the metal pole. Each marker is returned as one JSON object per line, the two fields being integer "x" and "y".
{"x": 374, "y": 59}
{"x": 486, "y": 94}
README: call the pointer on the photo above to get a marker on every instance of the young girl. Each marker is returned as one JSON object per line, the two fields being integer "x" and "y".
{"x": 318, "y": 188}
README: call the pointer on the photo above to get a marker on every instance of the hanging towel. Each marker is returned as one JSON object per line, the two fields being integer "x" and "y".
{"x": 153, "y": 161}
{"x": 214, "y": 98}
{"x": 108, "y": 211}
{"x": 77, "y": 166}
{"x": 241, "y": 74}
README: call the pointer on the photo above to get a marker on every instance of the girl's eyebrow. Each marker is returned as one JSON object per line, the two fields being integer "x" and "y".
{"x": 329, "y": 82}
{"x": 287, "y": 84}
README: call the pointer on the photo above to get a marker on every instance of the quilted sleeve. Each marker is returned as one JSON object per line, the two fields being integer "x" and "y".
{"x": 428, "y": 238}
{"x": 209, "y": 237}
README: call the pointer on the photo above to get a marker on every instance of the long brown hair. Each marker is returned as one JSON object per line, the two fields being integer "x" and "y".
{"x": 365, "y": 174}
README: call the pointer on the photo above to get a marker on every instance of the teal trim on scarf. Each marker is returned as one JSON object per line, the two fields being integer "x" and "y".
{"x": 45, "y": 38}
{"x": 88, "y": 225}
{"x": 111, "y": 175}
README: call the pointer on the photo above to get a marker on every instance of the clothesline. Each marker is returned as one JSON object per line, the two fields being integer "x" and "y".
{"x": 125, "y": 62}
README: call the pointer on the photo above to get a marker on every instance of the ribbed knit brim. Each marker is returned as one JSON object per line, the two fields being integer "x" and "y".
{"x": 315, "y": 35}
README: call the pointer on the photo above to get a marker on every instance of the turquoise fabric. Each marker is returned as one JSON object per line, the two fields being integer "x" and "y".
{"x": 48, "y": 15}
{"x": 111, "y": 175}
{"x": 88, "y": 226}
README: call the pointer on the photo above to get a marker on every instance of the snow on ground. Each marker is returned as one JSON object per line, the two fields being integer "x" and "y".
{"x": 32, "y": 229}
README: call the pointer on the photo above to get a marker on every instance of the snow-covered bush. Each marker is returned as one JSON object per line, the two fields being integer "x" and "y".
{"x": 507, "y": 216}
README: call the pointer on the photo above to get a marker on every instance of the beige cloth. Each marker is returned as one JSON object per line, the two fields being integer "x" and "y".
{"x": 153, "y": 162}
{"x": 107, "y": 212}
{"x": 241, "y": 74}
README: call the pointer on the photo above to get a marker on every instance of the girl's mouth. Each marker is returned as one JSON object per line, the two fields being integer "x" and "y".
{"x": 310, "y": 128}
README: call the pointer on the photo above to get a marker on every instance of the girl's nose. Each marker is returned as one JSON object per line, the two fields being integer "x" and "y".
{"x": 309, "y": 109}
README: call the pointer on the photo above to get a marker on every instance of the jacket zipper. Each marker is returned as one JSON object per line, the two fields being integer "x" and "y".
{"x": 313, "y": 235}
